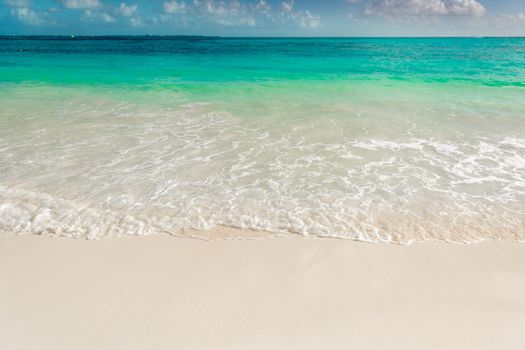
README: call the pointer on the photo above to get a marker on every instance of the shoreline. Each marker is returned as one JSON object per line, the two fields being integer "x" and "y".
{"x": 229, "y": 233}
{"x": 166, "y": 292}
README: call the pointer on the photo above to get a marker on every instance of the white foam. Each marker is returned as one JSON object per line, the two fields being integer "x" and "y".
{"x": 117, "y": 169}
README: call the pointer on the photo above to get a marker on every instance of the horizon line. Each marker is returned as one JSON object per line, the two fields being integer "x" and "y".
{"x": 259, "y": 37}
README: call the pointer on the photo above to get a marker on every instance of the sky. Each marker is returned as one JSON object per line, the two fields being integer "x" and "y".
{"x": 264, "y": 17}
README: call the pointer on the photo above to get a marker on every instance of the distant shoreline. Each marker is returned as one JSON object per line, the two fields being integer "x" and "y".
{"x": 122, "y": 36}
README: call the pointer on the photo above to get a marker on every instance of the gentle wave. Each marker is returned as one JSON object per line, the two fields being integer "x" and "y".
{"x": 108, "y": 168}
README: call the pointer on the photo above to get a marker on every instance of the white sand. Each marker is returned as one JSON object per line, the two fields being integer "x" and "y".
{"x": 290, "y": 293}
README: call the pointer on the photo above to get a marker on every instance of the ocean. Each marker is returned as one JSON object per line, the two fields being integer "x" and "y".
{"x": 375, "y": 139}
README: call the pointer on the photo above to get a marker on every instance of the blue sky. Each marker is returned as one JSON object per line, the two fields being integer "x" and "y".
{"x": 264, "y": 17}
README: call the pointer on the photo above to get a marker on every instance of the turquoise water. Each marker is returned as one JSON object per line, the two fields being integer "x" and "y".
{"x": 396, "y": 140}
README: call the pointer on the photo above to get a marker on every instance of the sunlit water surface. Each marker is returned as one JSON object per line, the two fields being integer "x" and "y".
{"x": 396, "y": 140}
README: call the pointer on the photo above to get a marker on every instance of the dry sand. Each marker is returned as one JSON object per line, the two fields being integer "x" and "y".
{"x": 163, "y": 292}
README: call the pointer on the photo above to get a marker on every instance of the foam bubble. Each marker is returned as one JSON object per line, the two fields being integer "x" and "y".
{"x": 106, "y": 168}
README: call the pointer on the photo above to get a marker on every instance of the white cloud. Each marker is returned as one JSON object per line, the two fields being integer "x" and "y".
{"x": 107, "y": 18}
{"x": 128, "y": 10}
{"x": 506, "y": 21}
{"x": 424, "y": 8}
{"x": 80, "y": 4}
{"x": 173, "y": 7}
{"x": 88, "y": 14}
{"x": 95, "y": 16}
{"x": 237, "y": 22}
{"x": 238, "y": 13}
{"x": 218, "y": 8}
{"x": 309, "y": 20}
{"x": 249, "y": 21}
{"x": 17, "y": 3}
{"x": 519, "y": 17}
{"x": 263, "y": 6}
{"x": 287, "y": 6}
{"x": 135, "y": 21}
{"x": 465, "y": 8}
{"x": 21, "y": 10}
{"x": 27, "y": 15}
{"x": 305, "y": 19}
{"x": 232, "y": 13}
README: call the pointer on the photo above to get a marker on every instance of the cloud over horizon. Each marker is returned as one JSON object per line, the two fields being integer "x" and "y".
{"x": 425, "y": 8}
{"x": 264, "y": 17}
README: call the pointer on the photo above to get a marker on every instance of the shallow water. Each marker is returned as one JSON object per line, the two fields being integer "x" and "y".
{"x": 396, "y": 140}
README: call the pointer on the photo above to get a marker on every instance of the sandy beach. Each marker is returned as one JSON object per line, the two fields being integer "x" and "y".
{"x": 163, "y": 292}
{"x": 370, "y": 153}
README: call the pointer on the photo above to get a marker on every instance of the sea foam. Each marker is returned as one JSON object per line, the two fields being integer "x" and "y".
{"x": 108, "y": 167}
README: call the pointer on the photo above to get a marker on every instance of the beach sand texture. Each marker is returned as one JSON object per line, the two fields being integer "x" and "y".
{"x": 162, "y": 292}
